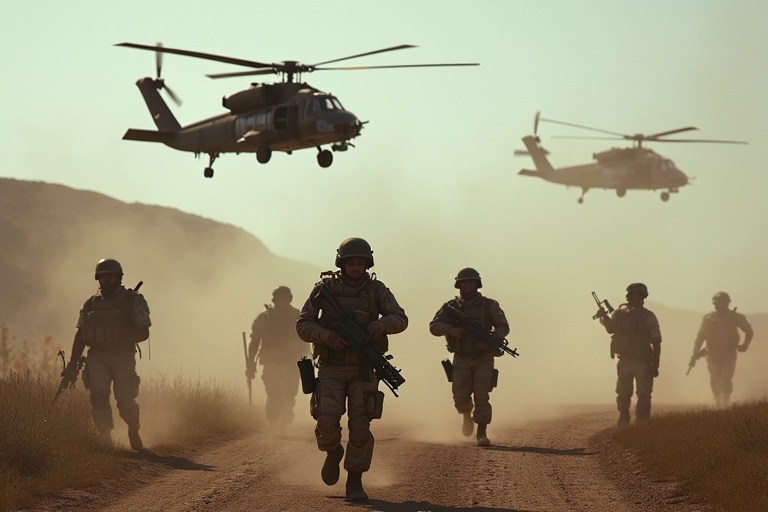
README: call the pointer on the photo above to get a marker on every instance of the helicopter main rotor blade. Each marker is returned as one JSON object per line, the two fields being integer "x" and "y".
{"x": 356, "y": 68}
{"x": 242, "y": 73}
{"x": 583, "y": 127}
{"x": 391, "y": 49}
{"x": 715, "y": 141}
{"x": 586, "y": 137}
{"x": 670, "y": 132}
{"x": 198, "y": 55}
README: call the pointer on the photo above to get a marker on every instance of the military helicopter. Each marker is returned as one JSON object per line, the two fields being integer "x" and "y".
{"x": 266, "y": 117}
{"x": 621, "y": 169}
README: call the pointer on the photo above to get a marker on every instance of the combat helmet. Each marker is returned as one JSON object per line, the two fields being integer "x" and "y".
{"x": 466, "y": 274}
{"x": 108, "y": 266}
{"x": 281, "y": 291}
{"x": 721, "y": 297}
{"x": 352, "y": 248}
{"x": 638, "y": 288}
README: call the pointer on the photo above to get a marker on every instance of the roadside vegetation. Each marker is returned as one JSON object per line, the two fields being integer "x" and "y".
{"x": 46, "y": 447}
{"x": 720, "y": 456}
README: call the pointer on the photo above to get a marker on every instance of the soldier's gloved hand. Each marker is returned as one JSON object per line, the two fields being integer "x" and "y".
{"x": 376, "y": 329}
{"x": 332, "y": 339}
{"x": 70, "y": 373}
{"x": 250, "y": 370}
{"x": 457, "y": 332}
{"x": 655, "y": 370}
{"x": 743, "y": 347}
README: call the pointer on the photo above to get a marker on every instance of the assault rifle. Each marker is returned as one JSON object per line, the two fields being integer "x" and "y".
{"x": 250, "y": 371}
{"x": 694, "y": 358}
{"x": 601, "y": 312}
{"x": 369, "y": 354}
{"x": 478, "y": 332}
{"x": 68, "y": 380}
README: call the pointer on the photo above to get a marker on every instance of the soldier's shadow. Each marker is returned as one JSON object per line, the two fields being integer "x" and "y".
{"x": 170, "y": 461}
{"x": 421, "y": 506}
{"x": 539, "y": 450}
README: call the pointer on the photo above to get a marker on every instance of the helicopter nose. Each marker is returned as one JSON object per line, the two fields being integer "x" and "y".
{"x": 347, "y": 126}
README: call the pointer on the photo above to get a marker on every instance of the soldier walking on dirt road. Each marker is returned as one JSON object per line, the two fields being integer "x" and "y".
{"x": 473, "y": 374}
{"x": 341, "y": 385}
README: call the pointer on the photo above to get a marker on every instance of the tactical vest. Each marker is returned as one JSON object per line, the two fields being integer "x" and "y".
{"x": 362, "y": 305}
{"x": 480, "y": 312}
{"x": 105, "y": 322}
{"x": 279, "y": 339}
{"x": 721, "y": 331}
{"x": 632, "y": 338}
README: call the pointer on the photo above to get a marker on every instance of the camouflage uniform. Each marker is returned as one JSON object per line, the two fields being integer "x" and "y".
{"x": 473, "y": 369}
{"x": 274, "y": 341}
{"x": 339, "y": 378}
{"x": 111, "y": 325}
{"x": 720, "y": 330}
{"x": 637, "y": 342}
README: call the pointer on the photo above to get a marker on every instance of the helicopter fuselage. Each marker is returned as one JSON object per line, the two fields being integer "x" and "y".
{"x": 619, "y": 169}
{"x": 289, "y": 117}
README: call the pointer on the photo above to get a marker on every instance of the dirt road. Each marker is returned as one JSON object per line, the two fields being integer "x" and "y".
{"x": 562, "y": 464}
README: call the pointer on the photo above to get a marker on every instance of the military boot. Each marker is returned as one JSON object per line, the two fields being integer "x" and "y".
{"x": 330, "y": 471}
{"x": 105, "y": 437}
{"x": 624, "y": 419}
{"x": 134, "y": 438}
{"x": 355, "y": 490}
{"x": 482, "y": 436}
{"x": 468, "y": 426}
{"x": 725, "y": 399}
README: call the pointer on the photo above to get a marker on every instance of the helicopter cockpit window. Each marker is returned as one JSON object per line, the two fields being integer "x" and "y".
{"x": 328, "y": 103}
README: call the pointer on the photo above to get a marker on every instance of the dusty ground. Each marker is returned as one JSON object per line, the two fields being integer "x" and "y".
{"x": 560, "y": 464}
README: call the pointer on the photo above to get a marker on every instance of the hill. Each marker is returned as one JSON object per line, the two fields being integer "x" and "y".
{"x": 205, "y": 281}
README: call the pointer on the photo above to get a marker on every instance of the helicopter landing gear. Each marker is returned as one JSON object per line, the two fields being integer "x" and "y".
{"x": 665, "y": 196}
{"x": 263, "y": 154}
{"x": 324, "y": 157}
{"x": 208, "y": 171}
{"x": 621, "y": 192}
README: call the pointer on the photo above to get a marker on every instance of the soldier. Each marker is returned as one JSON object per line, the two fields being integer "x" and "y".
{"x": 637, "y": 341}
{"x": 275, "y": 343}
{"x": 111, "y": 323}
{"x": 720, "y": 329}
{"x": 340, "y": 382}
{"x": 473, "y": 360}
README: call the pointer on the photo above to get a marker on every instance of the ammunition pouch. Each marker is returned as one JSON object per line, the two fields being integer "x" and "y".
{"x": 495, "y": 379}
{"x": 86, "y": 377}
{"x": 307, "y": 374}
{"x": 135, "y": 383}
{"x": 374, "y": 404}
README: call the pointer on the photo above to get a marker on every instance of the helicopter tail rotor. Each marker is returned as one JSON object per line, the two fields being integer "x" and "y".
{"x": 159, "y": 82}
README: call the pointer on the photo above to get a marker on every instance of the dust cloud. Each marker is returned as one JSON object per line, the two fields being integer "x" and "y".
{"x": 205, "y": 282}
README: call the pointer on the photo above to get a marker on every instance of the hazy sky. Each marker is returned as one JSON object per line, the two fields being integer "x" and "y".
{"x": 432, "y": 182}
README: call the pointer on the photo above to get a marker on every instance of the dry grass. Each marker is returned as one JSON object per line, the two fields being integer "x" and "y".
{"x": 720, "y": 456}
{"x": 46, "y": 447}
